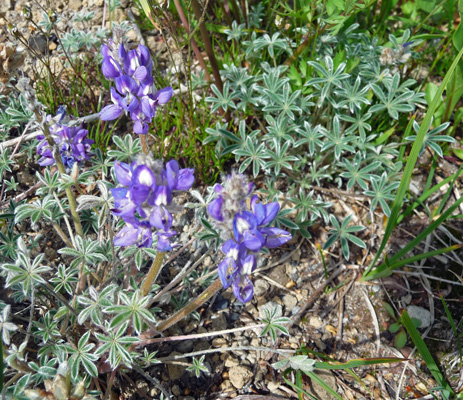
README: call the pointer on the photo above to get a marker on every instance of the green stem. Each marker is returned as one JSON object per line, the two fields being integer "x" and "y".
{"x": 62, "y": 170}
{"x": 190, "y": 307}
{"x": 152, "y": 273}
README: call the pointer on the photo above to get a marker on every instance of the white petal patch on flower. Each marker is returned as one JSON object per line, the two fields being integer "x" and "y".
{"x": 233, "y": 253}
{"x": 247, "y": 267}
{"x": 242, "y": 225}
{"x": 145, "y": 178}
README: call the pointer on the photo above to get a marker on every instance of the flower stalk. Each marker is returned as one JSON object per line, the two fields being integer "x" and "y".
{"x": 152, "y": 273}
{"x": 190, "y": 307}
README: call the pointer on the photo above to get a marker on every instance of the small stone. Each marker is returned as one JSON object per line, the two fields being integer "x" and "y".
{"x": 185, "y": 346}
{"x": 420, "y": 314}
{"x": 320, "y": 344}
{"x": 219, "y": 322}
{"x": 176, "y": 371}
{"x": 225, "y": 386}
{"x": 75, "y": 5}
{"x": 191, "y": 326}
{"x": 316, "y": 322}
{"x": 318, "y": 391}
{"x": 239, "y": 376}
{"x": 261, "y": 287}
{"x": 272, "y": 386}
{"x": 231, "y": 361}
{"x": 176, "y": 390}
{"x": 95, "y": 3}
{"x": 142, "y": 388}
{"x": 6, "y": 5}
{"x": 219, "y": 342}
{"x": 289, "y": 301}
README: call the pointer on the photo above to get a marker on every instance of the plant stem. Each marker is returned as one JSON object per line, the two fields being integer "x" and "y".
{"x": 144, "y": 146}
{"x": 62, "y": 170}
{"x": 198, "y": 335}
{"x": 208, "y": 45}
{"x": 181, "y": 14}
{"x": 190, "y": 307}
{"x": 152, "y": 273}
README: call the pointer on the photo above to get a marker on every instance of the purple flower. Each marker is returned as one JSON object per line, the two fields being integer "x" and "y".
{"x": 134, "y": 232}
{"x": 245, "y": 230}
{"x": 133, "y": 94}
{"x": 145, "y": 201}
{"x": 71, "y": 140}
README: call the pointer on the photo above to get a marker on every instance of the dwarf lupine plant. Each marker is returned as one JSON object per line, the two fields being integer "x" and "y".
{"x": 100, "y": 305}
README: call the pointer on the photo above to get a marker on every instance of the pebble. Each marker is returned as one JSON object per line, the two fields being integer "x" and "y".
{"x": 219, "y": 322}
{"x": 185, "y": 346}
{"x": 289, "y": 302}
{"x": 261, "y": 287}
{"x": 176, "y": 371}
{"x": 176, "y": 391}
{"x": 219, "y": 342}
{"x": 316, "y": 322}
{"x": 191, "y": 326}
{"x": 272, "y": 386}
{"x": 231, "y": 361}
{"x": 421, "y": 314}
{"x": 239, "y": 376}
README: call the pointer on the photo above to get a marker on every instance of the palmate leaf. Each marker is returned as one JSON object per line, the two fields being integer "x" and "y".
{"x": 329, "y": 77}
{"x": 381, "y": 192}
{"x": 344, "y": 232}
{"x": 395, "y": 101}
{"x": 223, "y": 100}
{"x": 117, "y": 345}
{"x": 274, "y": 323}
{"x": 432, "y": 137}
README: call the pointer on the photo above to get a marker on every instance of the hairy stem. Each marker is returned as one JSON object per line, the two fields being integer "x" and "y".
{"x": 190, "y": 307}
{"x": 144, "y": 145}
{"x": 152, "y": 273}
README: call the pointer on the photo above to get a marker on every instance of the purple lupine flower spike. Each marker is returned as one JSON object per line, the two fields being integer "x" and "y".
{"x": 72, "y": 141}
{"x": 245, "y": 232}
{"x": 134, "y": 86}
{"x": 145, "y": 201}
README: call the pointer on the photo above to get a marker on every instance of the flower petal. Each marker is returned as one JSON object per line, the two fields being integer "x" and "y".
{"x": 110, "y": 112}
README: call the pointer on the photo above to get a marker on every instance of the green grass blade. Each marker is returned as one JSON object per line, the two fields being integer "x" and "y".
{"x": 298, "y": 390}
{"x": 360, "y": 362}
{"x": 426, "y": 194}
{"x": 384, "y": 269}
{"x": 427, "y": 358}
{"x": 321, "y": 382}
{"x": 454, "y": 327}
{"x": 449, "y": 192}
{"x": 411, "y": 162}
{"x": 381, "y": 272}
